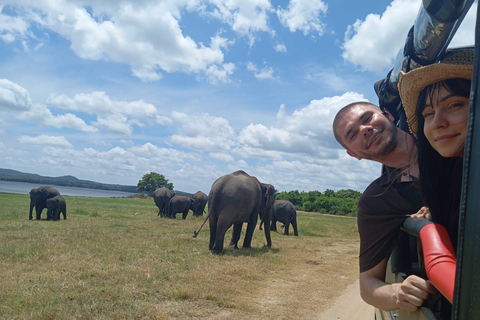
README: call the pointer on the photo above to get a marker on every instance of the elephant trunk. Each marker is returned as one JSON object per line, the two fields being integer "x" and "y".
{"x": 267, "y": 216}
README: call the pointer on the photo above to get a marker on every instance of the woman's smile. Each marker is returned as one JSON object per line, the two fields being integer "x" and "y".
{"x": 445, "y": 124}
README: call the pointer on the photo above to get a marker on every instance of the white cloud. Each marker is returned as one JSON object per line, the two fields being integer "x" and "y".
{"x": 203, "y": 132}
{"x": 147, "y": 36}
{"x": 13, "y": 97}
{"x": 59, "y": 141}
{"x": 115, "y": 116}
{"x": 304, "y": 15}
{"x": 280, "y": 47}
{"x": 374, "y": 43}
{"x": 41, "y": 114}
{"x": 246, "y": 17}
{"x": 265, "y": 73}
{"x": 12, "y": 28}
{"x": 222, "y": 156}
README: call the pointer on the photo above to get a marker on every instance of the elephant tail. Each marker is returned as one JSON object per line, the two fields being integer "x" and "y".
{"x": 195, "y": 233}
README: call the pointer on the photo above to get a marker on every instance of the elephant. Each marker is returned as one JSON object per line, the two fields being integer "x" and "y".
{"x": 179, "y": 204}
{"x": 284, "y": 212}
{"x": 38, "y": 198}
{"x": 199, "y": 201}
{"x": 55, "y": 206}
{"x": 162, "y": 197}
{"x": 234, "y": 199}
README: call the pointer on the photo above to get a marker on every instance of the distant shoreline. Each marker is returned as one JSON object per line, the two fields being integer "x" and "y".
{"x": 67, "y": 181}
{"x": 20, "y": 187}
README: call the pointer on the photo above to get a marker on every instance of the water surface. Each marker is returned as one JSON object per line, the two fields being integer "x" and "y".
{"x": 25, "y": 187}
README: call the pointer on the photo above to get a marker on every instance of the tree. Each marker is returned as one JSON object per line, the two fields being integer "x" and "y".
{"x": 152, "y": 181}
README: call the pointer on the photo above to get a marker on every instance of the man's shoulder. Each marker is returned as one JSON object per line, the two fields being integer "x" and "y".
{"x": 384, "y": 182}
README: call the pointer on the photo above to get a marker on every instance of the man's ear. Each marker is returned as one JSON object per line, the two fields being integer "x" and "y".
{"x": 351, "y": 154}
{"x": 387, "y": 114}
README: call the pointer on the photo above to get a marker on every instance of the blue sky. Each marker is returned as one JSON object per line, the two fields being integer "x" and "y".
{"x": 194, "y": 89}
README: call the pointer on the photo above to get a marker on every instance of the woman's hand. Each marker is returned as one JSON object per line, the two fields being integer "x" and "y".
{"x": 423, "y": 213}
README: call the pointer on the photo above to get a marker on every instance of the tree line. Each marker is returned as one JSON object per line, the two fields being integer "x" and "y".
{"x": 342, "y": 203}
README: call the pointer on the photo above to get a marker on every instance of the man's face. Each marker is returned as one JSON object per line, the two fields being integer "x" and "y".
{"x": 367, "y": 133}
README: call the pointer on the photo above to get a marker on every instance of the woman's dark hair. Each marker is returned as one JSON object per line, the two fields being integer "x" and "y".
{"x": 440, "y": 177}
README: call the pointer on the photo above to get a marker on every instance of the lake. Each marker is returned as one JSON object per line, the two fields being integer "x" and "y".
{"x": 25, "y": 187}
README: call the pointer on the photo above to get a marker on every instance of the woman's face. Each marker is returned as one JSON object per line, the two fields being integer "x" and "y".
{"x": 445, "y": 125}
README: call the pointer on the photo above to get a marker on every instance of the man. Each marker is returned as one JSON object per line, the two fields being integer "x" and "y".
{"x": 368, "y": 133}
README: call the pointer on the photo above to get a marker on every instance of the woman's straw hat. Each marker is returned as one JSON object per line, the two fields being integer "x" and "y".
{"x": 455, "y": 64}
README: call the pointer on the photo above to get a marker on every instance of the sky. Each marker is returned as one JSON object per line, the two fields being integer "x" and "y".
{"x": 110, "y": 90}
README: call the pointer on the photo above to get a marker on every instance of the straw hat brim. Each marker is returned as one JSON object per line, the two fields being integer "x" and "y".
{"x": 412, "y": 83}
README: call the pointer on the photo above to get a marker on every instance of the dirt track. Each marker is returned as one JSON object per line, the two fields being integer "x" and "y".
{"x": 348, "y": 306}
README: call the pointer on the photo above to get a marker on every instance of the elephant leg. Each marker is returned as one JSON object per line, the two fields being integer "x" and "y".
{"x": 237, "y": 230}
{"x": 57, "y": 214}
{"x": 220, "y": 237}
{"x": 30, "y": 216}
{"x": 287, "y": 226}
{"x": 213, "y": 231}
{"x": 64, "y": 214}
{"x": 294, "y": 225}
{"x": 261, "y": 222}
{"x": 185, "y": 213}
{"x": 39, "y": 208}
{"x": 247, "y": 242}
{"x": 273, "y": 226}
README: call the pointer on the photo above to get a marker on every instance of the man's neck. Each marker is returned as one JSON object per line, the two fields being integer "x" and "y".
{"x": 404, "y": 157}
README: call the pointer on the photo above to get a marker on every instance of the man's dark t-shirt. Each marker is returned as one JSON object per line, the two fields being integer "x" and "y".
{"x": 382, "y": 209}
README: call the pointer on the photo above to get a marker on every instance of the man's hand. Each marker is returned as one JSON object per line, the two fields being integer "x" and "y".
{"x": 423, "y": 213}
{"x": 412, "y": 292}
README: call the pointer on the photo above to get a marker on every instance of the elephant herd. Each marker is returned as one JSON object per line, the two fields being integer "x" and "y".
{"x": 234, "y": 199}
{"x": 170, "y": 204}
{"x": 50, "y": 198}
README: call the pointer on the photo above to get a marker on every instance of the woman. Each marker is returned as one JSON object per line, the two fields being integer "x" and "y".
{"x": 436, "y": 103}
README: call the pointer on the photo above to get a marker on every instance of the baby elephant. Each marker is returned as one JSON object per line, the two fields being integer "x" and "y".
{"x": 284, "y": 212}
{"x": 56, "y": 205}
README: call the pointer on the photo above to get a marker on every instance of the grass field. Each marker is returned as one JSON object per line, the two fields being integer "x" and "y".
{"x": 116, "y": 259}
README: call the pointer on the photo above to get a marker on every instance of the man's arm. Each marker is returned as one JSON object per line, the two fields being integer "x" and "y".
{"x": 408, "y": 295}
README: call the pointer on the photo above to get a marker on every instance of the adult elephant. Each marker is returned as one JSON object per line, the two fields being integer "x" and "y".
{"x": 180, "y": 204}
{"x": 162, "y": 197}
{"x": 199, "y": 201}
{"x": 55, "y": 206}
{"x": 38, "y": 198}
{"x": 284, "y": 212}
{"x": 234, "y": 199}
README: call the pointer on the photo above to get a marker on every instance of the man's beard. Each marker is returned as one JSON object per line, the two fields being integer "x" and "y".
{"x": 390, "y": 144}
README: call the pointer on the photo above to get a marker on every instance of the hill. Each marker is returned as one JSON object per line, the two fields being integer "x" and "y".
{"x": 69, "y": 181}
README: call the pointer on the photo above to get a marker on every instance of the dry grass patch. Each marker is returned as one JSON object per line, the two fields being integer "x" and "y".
{"x": 106, "y": 262}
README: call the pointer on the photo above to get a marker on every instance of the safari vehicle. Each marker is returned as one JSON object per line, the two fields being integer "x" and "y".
{"x": 436, "y": 23}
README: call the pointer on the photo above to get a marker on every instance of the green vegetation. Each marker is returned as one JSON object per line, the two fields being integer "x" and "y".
{"x": 68, "y": 181}
{"x": 342, "y": 202}
{"x": 152, "y": 181}
{"x": 114, "y": 258}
